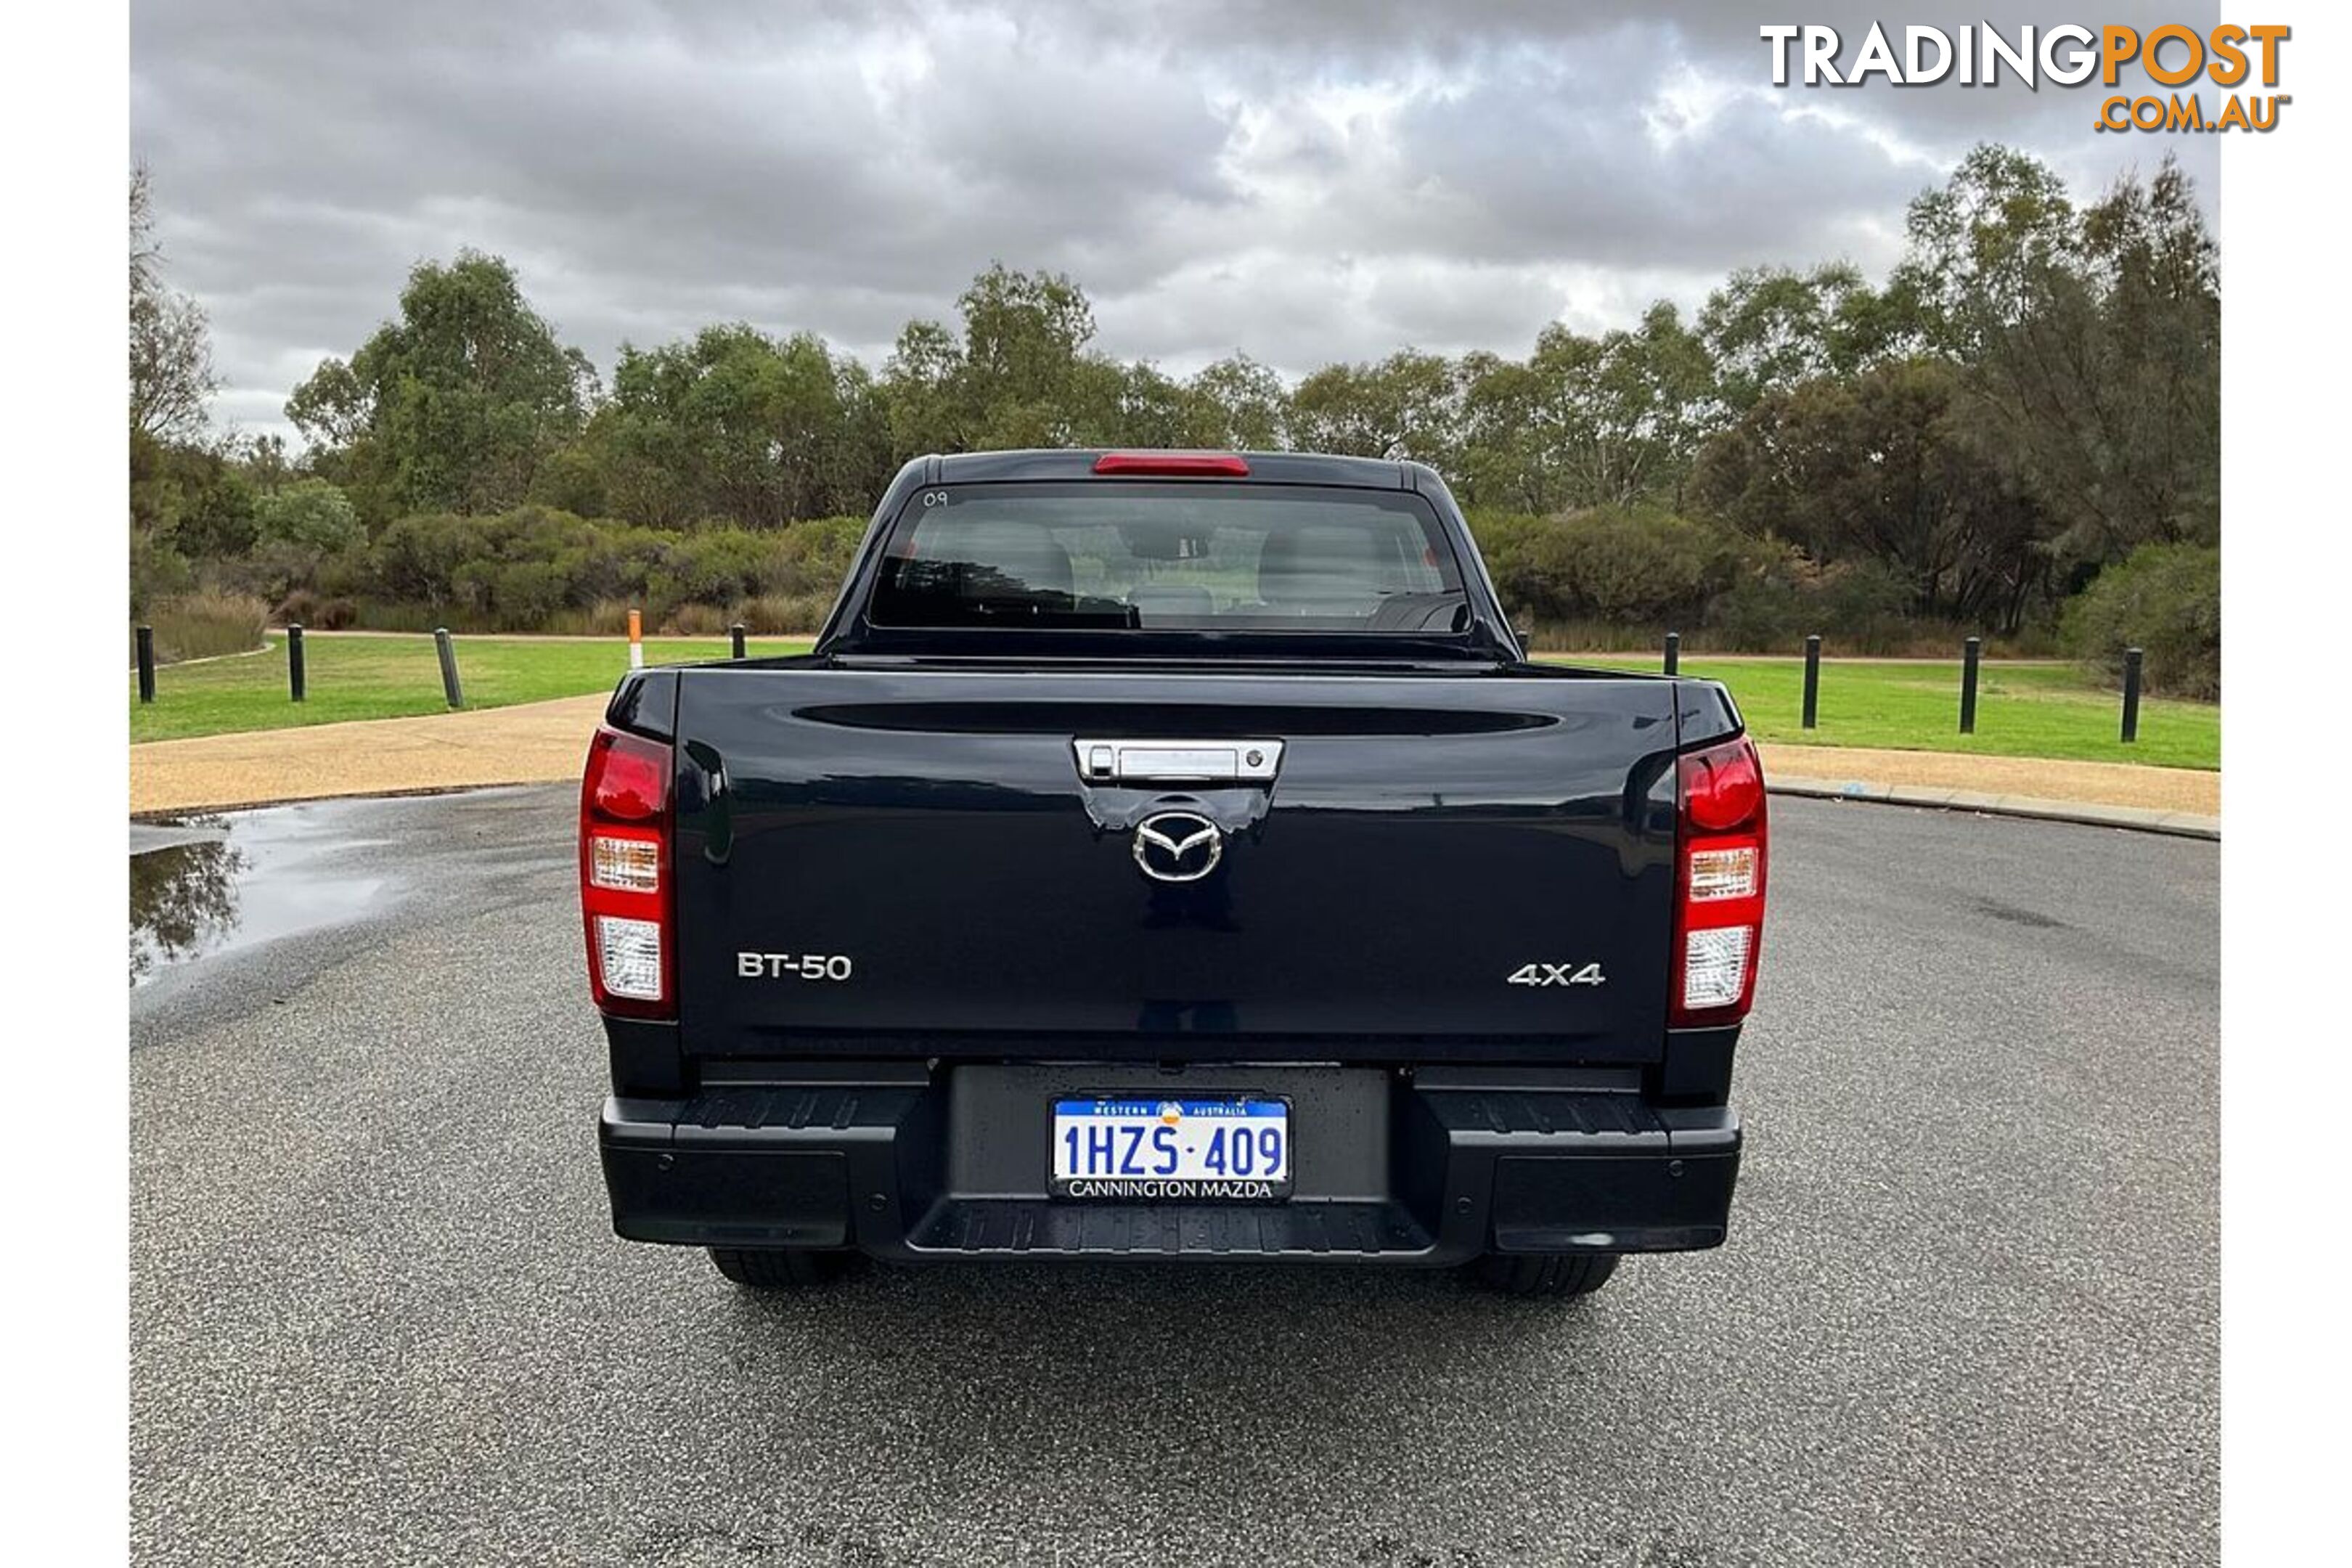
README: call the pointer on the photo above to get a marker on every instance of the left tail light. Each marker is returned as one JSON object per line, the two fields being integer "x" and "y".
{"x": 625, "y": 875}
{"x": 1719, "y": 884}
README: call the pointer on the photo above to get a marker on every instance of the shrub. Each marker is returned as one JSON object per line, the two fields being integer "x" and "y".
{"x": 605, "y": 618}
{"x": 1612, "y": 566}
{"x": 1863, "y": 604}
{"x": 216, "y": 520}
{"x": 1765, "y": 612}
{"x": 345, "y": 576}
{"x": 525, "y": 592}
{"x": 694, "y": 620}
{"x": 205, "y": 624}
{"x": 310, "y": 514}
{"x": 510, "y": 572}
{"x": 414, "y": 559}
{"x": 315, "y": 611}
{"x": 158, "y": 573}
{"x": 2166, "y": 600}
{"x": 1506, "y": 542}
{"x": 785, "y": 614}
{"x": 276, "y": 569}
{"x": 2034, "y": 639}
{"x": 393, "y": 615}
{"x": 537, "y": 568}
{"x": 813, "y": 557}
{"x": 713, "y": 568}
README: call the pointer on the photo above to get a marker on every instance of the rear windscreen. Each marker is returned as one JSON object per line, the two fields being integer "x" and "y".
{"x": 1169, "y": 557}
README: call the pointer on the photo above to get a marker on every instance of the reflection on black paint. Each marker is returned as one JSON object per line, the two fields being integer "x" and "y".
{"x": 1208, "y": 904}
{"x": 183, "y": 899}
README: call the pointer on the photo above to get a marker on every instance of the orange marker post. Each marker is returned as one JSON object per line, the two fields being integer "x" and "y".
{"x": 636, "y": 640}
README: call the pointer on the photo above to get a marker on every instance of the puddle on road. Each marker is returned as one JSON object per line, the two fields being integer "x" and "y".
{"x": 207, "y": 885}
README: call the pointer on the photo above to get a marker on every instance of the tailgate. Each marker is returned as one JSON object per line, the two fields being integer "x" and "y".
{"x": 1246, "y": 866}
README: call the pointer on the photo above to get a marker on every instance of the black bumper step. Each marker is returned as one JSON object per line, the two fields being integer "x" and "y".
{"x": 1050, "y": 1227}
{"x": 1422, "y": 1175}
{"x": 782, "y": 1117}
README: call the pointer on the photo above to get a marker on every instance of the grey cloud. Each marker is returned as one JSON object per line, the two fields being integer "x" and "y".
{"x": 1551, "y": 162}
{"x": 1296, "y": 317}
{"x": 1721, "y": 37}
{"x": 1308, "y": 181}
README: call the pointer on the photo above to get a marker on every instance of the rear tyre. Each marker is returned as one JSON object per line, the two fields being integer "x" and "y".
{"x": 1545, "y": 1274}
{"x": 779, "y": 1268}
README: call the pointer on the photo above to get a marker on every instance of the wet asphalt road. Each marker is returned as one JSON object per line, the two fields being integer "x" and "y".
{"x": 1967, "y": 1312}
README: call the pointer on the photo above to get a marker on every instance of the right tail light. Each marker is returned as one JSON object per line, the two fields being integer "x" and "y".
{"x": 1719, "y": 884}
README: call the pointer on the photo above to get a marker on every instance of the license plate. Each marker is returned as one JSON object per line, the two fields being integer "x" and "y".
{"x": 1181, "y": 1150}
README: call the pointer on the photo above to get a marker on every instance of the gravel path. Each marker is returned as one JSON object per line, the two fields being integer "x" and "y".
{"x": 531, "y": 742}
{"x": 2044, "y": 778}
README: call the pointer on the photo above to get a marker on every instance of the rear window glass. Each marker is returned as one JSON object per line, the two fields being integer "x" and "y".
{"x": 1122, "y": 555}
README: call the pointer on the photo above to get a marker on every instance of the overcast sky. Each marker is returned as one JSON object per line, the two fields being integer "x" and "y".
{"x": 1308, "y": 181}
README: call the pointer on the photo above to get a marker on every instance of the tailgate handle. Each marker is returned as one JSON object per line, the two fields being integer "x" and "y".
{"x": 1177, "y": 761}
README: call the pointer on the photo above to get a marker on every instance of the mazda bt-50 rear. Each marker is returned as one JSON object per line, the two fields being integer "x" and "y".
{"x": 1171, "y": 855}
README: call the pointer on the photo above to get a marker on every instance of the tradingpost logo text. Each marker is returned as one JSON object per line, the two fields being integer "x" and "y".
{"x": 2067, "y": 55}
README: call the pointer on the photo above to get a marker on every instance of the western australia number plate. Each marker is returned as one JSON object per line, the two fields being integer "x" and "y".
{"x": 1181, "y": 1150}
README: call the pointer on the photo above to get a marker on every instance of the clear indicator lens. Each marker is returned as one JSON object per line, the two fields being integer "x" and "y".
{"x": 628, "y": 957}
{"x": 628, "y": 865}
{"x": 1714, "y": 965}
{"x": 1722, "y": 874}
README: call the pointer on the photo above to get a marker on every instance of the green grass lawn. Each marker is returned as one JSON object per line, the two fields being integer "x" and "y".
{"x": 386, "y": 678}
{"x": 2022, "y": 710}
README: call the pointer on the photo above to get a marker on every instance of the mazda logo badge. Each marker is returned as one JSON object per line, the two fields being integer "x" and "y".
{"x": 1178, "y": 846}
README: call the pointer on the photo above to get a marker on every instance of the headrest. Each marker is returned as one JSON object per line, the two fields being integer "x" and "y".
{"x": 1026, "y": 553}
{"x": 1312, "y": 564}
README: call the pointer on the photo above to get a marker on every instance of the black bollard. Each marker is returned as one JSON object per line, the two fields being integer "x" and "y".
{"x": 146, "y": 638}
{"x": 1974, "y": 649}
{"x": 294, "y": 659}
{"x": 2131, "y": 695}
{"x": 738, "y": 630}
{"x": 1813, "y": 680}
{"x": 448, "y": 650}
{"x": 1674, "y": 652}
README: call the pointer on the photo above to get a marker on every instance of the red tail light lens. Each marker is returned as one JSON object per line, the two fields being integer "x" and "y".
{"x": 1723, "y": 788}
{"x": 627, "y": 778}
{"x": 1194, "y": 464}
{"x": 625, "y": 875}
{"x": 1719, "y": 884}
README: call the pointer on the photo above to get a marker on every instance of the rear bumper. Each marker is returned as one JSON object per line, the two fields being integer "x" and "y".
{"x": 1425, "y": 1173}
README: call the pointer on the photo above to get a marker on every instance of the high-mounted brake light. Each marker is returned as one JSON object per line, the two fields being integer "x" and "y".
{"x": 1190, "y": 464}
{"x": 1718, "y": 883}
{"x": 625, "y": 875}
